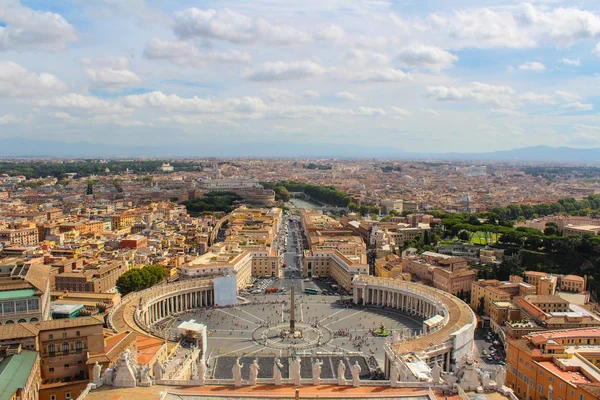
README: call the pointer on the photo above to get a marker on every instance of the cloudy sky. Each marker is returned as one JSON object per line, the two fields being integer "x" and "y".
{"x": 413, "y": 75}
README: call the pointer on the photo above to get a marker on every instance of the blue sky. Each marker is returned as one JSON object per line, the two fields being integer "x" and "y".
{"x": 412, "y": 75}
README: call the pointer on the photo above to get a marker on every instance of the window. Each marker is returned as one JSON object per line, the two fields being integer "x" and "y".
{"x": 581, "y": 397}
{"x": 64, "y": 335}
{"x": 540, "y": 388}
{"x": 65, "y": 348}
{"x": 67, "y": 395}
{"x": 50, "y": 337}
{"x": 51, "y": 349}
{"x": 77, "y": 333}
{"x": 78, "y": 346}
{"x": 66, "y": 365}
{"x": 52, "y": 397}
{"x": 51, "y": 369}
{"x": 79, "y": 362}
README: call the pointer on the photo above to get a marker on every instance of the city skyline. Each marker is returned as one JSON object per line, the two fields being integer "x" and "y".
{"x": 435, "y": 78}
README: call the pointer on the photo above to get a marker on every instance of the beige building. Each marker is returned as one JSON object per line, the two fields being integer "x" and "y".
{"x": 100, "y": 279}
{"x": 333, "y": 251}
{"x": 24, "y": 291}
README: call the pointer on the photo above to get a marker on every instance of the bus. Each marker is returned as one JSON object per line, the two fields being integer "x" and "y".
{"x": 311, "y": 291}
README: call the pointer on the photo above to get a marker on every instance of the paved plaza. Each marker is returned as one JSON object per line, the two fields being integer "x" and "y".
{"x": 347, "y": 329}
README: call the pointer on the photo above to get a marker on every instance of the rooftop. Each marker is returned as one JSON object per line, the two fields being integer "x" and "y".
{"x": 14, "y": 371}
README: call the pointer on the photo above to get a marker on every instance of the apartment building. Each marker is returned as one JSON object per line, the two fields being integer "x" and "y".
{"x": 27, "y": 235}
{"x": 451, "y": 274}
{"x": 24, "y": 291}
{"x": 493, "y": 290}
{"x": 333, "y": 251}
{"x": 63, "y": 346}
{"x": 98, "y": 279}
{"x": 557, "y": 365}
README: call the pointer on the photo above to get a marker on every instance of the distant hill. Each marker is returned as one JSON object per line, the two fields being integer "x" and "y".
{"x": 17, "y": 147}
{"x": 534, "y": 153}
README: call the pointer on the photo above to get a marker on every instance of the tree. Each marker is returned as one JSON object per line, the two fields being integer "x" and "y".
{"x": 481, "y": 306}
{"x": 464, "y": 236}
{"x": 135, "y": 280}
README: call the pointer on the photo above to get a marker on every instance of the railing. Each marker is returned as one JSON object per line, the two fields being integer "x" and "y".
{"x": 85, "y": 392}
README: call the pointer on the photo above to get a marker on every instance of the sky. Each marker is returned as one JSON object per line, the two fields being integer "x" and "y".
{"x": 435, "y": 76}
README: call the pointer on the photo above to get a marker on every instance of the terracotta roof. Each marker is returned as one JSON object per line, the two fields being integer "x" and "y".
{"x": 65, "y": 323}
{"x": 17, "y": 331}
{"x": 113, "y": 347}
{"x": 38, "y": 276}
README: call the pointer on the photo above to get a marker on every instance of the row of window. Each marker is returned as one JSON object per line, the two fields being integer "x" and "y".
{"x": 65, "y": 348}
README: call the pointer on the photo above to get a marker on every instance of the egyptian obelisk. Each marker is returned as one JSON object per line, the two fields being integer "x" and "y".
{"x": 292, "y": 311}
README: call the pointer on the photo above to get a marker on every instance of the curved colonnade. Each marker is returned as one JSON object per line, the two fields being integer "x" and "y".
{"x": 449, "y": 338}
{"x": 138, "y": 311}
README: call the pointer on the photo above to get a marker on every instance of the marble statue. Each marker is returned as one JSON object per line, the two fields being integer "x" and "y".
{"x": 468, "y": 377}
{"x": 316, "y": 372}
{"x": 201, "y": 371}
{"x": 236, "y": 372}
{"x": 254, "y": 368}
{"x": 485, "y": 380}
{"x": 355, "y": 370}
{"x": 341, "y": 373}
{"x": 107, "y": 377}
{"x": 96, "y": 373}
{"x": 145, "y": 379}
{"x": 295, "y": 370}
{"x": 394, "y": 374}
{"x": 277, "y": 366}
{"x": 157, "y": 370}
{"x": 126, "y": 371}
{"x": 436, "y": 373}
{"x": 500, "y": 377}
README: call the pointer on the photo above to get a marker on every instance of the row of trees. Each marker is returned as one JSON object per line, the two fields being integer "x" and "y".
{"x": 135, "y": 280}
{"x": 321, "y": 167}
{"x": 324, "y": 194}
{"x": 37, "y": 169}
{"x": 213, "y": 202}
{"x": 589, "y": 205}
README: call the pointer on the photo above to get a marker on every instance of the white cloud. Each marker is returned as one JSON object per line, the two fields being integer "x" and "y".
{"x": 9, "y": 119}
{"x": 425, "y": 56}
{"x": 400, "y": 111}
{"x": 366, "y": 57}
{"x": 310, "y": 94}
{"x": 571, "y": 61}
{"x": 16, "y": 81}
{"x": 523, "y": 26}
{"x": 31, "y": 29}
{"x": 110, "y": 73}
{"x": 231, "y": 26}
{"x": 477, "y": 92}
{"x": 278, "y": 95}
{"x": 483, "y": 28}
{"x": 118, "y": 120}
{"x": 577, "y": 106}
{"x": 532, "y": 66}
{"x": 370, "y": 111}
{"x": 78, "y": 103}
{"x": 535, "y": 98}
{"x": 505, "y": 112}
{"x": 597, "y": 50}
{"x": 430, "y": 112}
{"x": 333, "y": 33}
{"x": 568, "y": 96}
{"x": 280, "y": 71}
{"x": 381, "y": 75}
{"x": 348, "y": 96}
{"x": 187, "y": 55}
